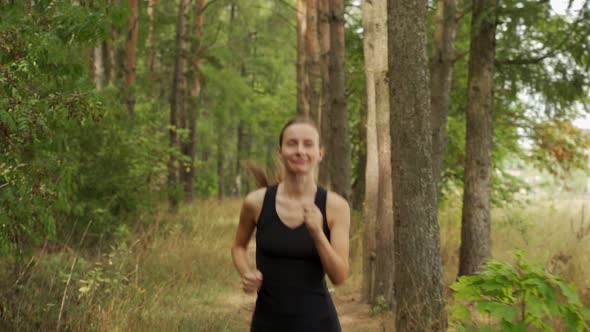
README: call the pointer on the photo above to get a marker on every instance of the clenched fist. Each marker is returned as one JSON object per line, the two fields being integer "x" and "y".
{"x": 251, "y": 281}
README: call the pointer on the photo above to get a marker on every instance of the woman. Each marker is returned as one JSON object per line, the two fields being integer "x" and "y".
{"x": 301, "y": 234}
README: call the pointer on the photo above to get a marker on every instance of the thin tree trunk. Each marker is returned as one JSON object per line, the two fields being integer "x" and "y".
{"x": 151, "y": 40}
{"x": 111, "y": 50}
{"x": 375, "y": 45}
{"x": 176, "y": 100}
{"x": 302, "y": 77}
{"x": 339, "y": 140}
{"x": 98, "y": 67}
{"x": 313, "y": 66}
{"x": 189, "y": 148}
{"x": 371, "y": 190}
{"x": 419, "y": 297}
{"x": 475, "y": 226}
{"x": 220, "y": 171}
{"x": 358, "y": 186}
{"x": 130, "y": 50}
{"x": 441, "y": 74}
{"x": 323, "y": 117}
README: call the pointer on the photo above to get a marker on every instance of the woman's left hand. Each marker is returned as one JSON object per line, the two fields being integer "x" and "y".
{"x": 313, "y": 218}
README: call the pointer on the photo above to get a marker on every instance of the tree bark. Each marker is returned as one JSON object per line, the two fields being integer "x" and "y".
{"x": 324, "y": 109}
{"x": 371, "y": 190}
{"x": 340, "y": 169}
{"x": 358, "y": 185}
{"x": 98, "y": 66}
{"x": 302, "y": 77}
{"x": 177, "y": 100}
{"x": 418, "y": 288}
{"x": 151, "y": 40}
{"x": 111, "y": 50}
{"x": 130, "y": 50}
{"x": 441, "y": 74}
{"x": 475, "y": 223}
{"x": 375, "y": 49}
{"x": 313, "y": 67}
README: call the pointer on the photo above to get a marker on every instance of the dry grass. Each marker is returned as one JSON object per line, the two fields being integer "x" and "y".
{"x": 179, "y": 276}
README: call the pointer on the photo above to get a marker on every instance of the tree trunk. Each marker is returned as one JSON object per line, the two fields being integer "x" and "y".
{"x": 371, "y": 188}
{"x": 177, "y": 99}
{"x": 441, "y": 74}
{"x": 130, "y": 50}
{"x": 220, "y": 170}
{"x": 323, "y": 118}
{"x": 358, "y": 185}
{"x": 339, "y": 140}
{"x": 419, "y": 297}
{"x": 475, "y": 224}
{"x": 151, "y": 40}
{"x": 375, "y": 49}
{"x": 111, "y": 50}
{"x": 98, "y": 67}
{"x": 302, "y": 77}
{"x": 192, "y": 112}
{"x": 313, "y": 66}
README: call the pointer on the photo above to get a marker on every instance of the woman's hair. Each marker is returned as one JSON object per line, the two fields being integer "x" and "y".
{"x": 265, "y": 177}
{"x": 303, "y": 119}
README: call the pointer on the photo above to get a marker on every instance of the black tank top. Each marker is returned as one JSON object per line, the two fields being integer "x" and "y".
{"x": 293, "y": 296}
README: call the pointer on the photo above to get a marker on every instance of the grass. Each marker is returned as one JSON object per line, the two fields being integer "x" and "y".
{"x": 178, "y": 275}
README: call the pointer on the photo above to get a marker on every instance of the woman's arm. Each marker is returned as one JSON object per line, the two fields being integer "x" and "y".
{"x": 251, "y": 279}
{"x": 334, "y": 253}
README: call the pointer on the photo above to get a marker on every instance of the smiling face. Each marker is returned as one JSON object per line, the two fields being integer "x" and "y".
{"x": 300, "y": 148}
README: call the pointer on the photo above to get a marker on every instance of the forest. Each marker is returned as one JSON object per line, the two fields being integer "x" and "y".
{"x": 457, "y": 130}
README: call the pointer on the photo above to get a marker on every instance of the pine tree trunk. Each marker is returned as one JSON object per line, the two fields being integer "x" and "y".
{"x": 130, "y": 50}
{"x": 323, "y": 118}
{"x": 111, "y": 50}
{"x": 441, "y": 74}
{"x": 358, "y": 185}
{"x": 419, "y": 297}
{"x": 375, "y": 49}
{"x": 302, "y": 77}
{"x": 339, "y": 140}
{"x": 177, "y": 99}
{"x": 98, "y": 67}
{"x": 475, "y": 225}
{"x": 313, "y": 66}
{"x": 151, "y": 40}
{"x": 371, "y": 188}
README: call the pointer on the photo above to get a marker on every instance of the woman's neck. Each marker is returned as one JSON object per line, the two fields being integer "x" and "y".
{"x": 298, "y": 186}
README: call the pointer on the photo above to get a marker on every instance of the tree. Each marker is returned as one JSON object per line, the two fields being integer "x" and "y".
{"x": 151, "y": 39}
{"x": 441, "y": 74}
{"x": 475, "y": 223}
{"x": 418, "y": 273}
{"x": 130, "y": 50}
{"x": 375, "y": 48}
{"x": 177, "y": 100}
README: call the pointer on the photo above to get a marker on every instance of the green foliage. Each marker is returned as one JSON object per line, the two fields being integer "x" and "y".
{"x": 522, "y": 297}
{"x": 69, "y": 158}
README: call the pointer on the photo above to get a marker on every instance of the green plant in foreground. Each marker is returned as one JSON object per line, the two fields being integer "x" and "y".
{"x": 523, "y": 297}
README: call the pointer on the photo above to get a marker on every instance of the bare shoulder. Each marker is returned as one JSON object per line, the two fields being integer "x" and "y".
{"x": 336, "y": 202}
{"x": 337, "y": 209}
{"x": 253, "y": 202}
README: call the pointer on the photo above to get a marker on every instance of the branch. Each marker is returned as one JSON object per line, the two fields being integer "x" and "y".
{"x": 459, "y": 56}
{"x": 206, "y": 6}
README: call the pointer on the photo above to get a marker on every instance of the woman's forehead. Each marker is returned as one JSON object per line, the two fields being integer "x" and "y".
{"x": 301, "y": 130}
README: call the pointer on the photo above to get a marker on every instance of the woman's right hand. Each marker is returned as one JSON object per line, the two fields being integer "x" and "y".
{"x": 251, "y": 281}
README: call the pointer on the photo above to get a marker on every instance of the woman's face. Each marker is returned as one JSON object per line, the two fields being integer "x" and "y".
{"x": 300, "y": 149}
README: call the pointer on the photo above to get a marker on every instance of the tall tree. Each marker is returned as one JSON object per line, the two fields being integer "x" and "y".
{"x": 475, "y": 224}
{"x": 98, "y": 66}
{"x": 375, "y": 49}
{"x": 313, "y": 66}
{"x": 194, "y": 77}
{"x": 441, "y": 74}
{"x": 302, "y": 77}
{"x": 177, "y": 103}
{"x": 151, "y": 39}
{"x": 418, "y": 273}
{"x": 338, "y": 141}
{"x": 130, "y": 50}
